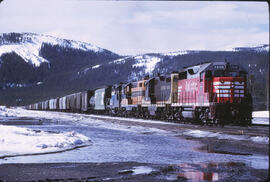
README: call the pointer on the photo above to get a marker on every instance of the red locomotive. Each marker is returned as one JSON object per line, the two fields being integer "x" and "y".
{"x": 213, "y": 93}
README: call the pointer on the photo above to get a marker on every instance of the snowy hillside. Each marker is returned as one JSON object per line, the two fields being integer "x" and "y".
{"x": 28, "y": 45}
{"x": 29, "y": 59}
{"x": 142, "y": 64}
{"x": 259, "y": 48}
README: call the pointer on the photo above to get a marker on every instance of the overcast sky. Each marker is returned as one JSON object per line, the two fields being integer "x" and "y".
{"x": 134, "y": 27}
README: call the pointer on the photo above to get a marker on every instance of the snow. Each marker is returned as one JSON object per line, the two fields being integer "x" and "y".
{"x": 149, "y": 62}
{"x": 219, "y": 135}
{"x": 96, "y": 66}
{"x": 28, "y": 51}
{"x": 259, "y": 139}
{"x": 119, "y": 61}
{"x": 261, "y": 114}
{"x": 77, "y": 119}
{"x": 177, "y": 53}
{"x": 258, "y": 48}
{"x": 260, "y": 117}
{"x": 21, "y": 141}
{"x": 94, "y": 121}
{"x": 138, "y": 170}
{"x": 30, "y": 46}
{"x": 142, "y": 170}
{"x": 133, "y": 119}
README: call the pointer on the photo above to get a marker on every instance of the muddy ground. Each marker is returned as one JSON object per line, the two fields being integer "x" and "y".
{"x": 125, "y": 172}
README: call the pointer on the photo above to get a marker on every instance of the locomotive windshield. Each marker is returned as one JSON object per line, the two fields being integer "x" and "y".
{"x": 225, "y": 73}
{"x": 228, "y": 71}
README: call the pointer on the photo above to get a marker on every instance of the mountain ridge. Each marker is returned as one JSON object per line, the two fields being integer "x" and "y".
{"x": 32, "y": 42}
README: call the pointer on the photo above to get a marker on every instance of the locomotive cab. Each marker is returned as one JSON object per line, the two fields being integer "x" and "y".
{"x": 229, "y": 94}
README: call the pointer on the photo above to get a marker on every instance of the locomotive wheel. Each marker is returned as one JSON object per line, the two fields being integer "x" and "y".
{"x": 146, "y": 115}
{"x": 171, "y": 118}
{"x": 215, "y": 122}
{"x": 203, "y": 122}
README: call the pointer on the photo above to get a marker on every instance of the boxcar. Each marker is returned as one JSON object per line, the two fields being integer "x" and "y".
{"x": 86, "y": 95}
{"x": 102, "y": 98}
{"x": 63, "y": 103}
{"x": 54, "y": 104}
{"x": 78, "y": 101}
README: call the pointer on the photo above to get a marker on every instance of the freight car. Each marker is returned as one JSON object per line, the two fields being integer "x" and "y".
{"x": 100, "y": 100}
{"x": 85, "y": 97}
{"x": 207, "y": 93}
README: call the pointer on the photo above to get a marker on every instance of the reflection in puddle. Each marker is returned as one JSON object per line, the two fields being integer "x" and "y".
{"x": 254, "y": 161}
{"x": 197, "y": 176}
{"x": 201, "y": 172}
{"x": 189, "y": 172}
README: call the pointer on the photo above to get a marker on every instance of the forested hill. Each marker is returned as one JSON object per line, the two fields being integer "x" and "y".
{"x": 35, "y": 67}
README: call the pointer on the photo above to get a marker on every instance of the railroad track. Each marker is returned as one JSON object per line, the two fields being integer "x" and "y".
{"x": 253, "y": 130}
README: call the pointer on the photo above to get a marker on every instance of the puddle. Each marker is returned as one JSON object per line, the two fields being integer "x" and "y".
{"x": 137, "y": 170}
{"x": 198, "y": 176}
{"x": 193, "y": 173}
{"x": 209, "y": 149}
{"x": 201, "y": 172}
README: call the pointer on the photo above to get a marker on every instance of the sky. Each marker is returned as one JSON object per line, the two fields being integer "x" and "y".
{"x": 137, "y": 27}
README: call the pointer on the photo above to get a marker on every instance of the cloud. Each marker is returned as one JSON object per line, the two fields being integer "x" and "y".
{"x": 131, "y": 27}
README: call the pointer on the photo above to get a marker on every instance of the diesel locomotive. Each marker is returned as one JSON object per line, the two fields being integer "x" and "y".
{"x": 207, "y": 93}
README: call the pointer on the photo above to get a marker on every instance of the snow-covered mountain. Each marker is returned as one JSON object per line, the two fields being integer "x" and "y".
{"x": 29, "y": 59}
{"x": 28, "y": 45}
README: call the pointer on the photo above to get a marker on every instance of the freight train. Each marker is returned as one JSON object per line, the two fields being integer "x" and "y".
{"x": 214, "y": 93}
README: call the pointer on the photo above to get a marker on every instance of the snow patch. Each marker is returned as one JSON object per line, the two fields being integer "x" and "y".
{"x": 96, "y": 66}
{"x": 149, "y": 62}
{"x": 260, "y": 114}
{"x": 260, "y": 117}
{"x": 258, "y": 48}
{"x": 138, "y": 170}
{"x": 177, "y": 53}
{"x": 21, "y": 141}
{"x": 259, "y": 139}
{"x": 119, "y": 61}
{"x": 142, "y": 170}
{"x": 219, "y": 135}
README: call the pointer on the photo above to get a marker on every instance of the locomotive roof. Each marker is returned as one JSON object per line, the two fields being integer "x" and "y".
{"x": 194, "y": 71}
